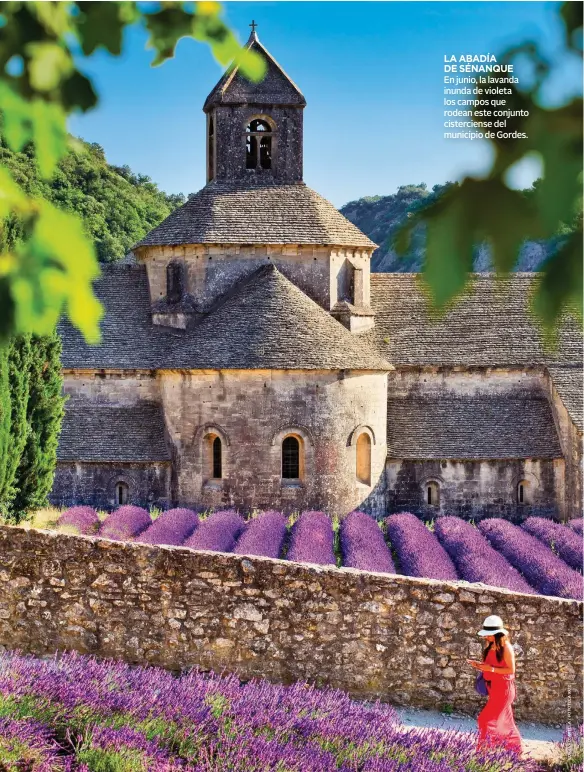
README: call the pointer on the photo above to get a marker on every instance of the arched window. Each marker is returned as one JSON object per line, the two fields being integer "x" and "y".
{"x": 291, "y": 458}
{"x": 217, "y": 460}
{"x": 432, "y": 494}
{"x": 258, "y": 145}
{"x": 122, "y": 493}
{"x": 364, "y": 458}
{"x": 213, "y": 457}
{"x": 523, "y": 492}
{"x": 211, "y": 150}
{"x": 174, "y": 282}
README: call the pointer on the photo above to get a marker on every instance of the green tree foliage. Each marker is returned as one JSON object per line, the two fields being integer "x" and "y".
{"x": 18, "y": 365}
{"x": 42, "y": 47}
{"x": 117, "y": 207}
{"x": 44, "y": 415}
{"x": 479, "y": 210}
{"x": 5, "y": 416}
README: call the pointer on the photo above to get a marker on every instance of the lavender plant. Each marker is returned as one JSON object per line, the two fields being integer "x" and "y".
{"x": 108, "y": 715}
{"x": 418, "y": 550}
{"x": 548, "y": 574}
{"x": 474, "y": 558}
{"x": 363, "y": 545}
{"x": 171, "y": 527}
{"x": 577, "y": 524}
{"x": 80, "y": 520}
{"x": 218, "y": 533}
{"x": 311, "y": 539}
{"x": 28, "y": 745}
{"x": 264, "y": 535}
{"x": 125, "y": 522}
{"x": 563, "y": 541}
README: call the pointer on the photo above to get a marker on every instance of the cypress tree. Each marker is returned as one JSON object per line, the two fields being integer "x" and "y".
{"x": 45, "y": 409}
{"x": 5, "y": 414}
{"x": 18, "y": 366}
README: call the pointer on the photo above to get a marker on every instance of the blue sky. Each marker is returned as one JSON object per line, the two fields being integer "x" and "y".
{"x": 371, "y": 72}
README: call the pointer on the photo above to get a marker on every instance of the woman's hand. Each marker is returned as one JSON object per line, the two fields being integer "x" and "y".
{"x": 477, "y": 665}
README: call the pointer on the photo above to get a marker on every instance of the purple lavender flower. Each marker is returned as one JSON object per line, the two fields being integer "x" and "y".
{"x": 125, "y": 522}
{"x": 114, "y": 714}
{"x": 263, "y": 535}
{"x": 312, "y": 539}
{"x": 563, "y": 541}
{"x": 363, "y": 545}
{"x": 28, "y": 743}
{"x": 474, "y": 558}
{"x": 218, "y": 533}
{"x": 418, "y": 550}
{"x": 543, "y": 570}
{"x": 577, "y": 524}
{"x": 171, "y": 527}
{"x": 84, "y": 519}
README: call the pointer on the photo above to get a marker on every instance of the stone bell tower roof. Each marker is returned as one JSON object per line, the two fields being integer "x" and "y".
{"x": 276, "y": 88}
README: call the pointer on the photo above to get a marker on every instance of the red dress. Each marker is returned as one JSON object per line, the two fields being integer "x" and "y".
{"x": 496, "y": 723}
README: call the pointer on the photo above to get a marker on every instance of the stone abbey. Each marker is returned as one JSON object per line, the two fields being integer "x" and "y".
{"x": 250, "y": 358}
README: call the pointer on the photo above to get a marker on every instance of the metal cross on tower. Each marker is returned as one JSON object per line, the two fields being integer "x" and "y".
{"x": 253, "y": 25}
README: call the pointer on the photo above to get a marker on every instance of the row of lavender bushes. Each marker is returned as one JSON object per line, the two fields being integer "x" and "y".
{"x": 540, "y": 556}
{"x": 74, "y": 713}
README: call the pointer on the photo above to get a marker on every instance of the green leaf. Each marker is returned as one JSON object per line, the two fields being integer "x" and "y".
{"x": 504, "y": 217}
{"x": 101, "y": 25}
{"x": 559, "y": 289}
{"x": 50, "y": 135}
{"x": 559, "y": 140}
{"x": 77, "y": 92}
{"x": 166, "y": 28}
{"x": 449, "y": 250}
{"x": 49, "y": 63}
{"x": 16, "y": 113}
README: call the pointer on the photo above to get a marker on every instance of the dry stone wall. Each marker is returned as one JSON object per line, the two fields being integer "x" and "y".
{"x": 400, "y": 639}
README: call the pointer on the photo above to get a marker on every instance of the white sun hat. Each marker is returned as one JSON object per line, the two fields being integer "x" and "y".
{"x": 492, "y": 625}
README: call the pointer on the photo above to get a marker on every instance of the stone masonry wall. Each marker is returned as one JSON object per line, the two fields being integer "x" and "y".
{"x": 475, "y": 488}
{"x": 252, "y": 411}
{"x": 401, "y": 639}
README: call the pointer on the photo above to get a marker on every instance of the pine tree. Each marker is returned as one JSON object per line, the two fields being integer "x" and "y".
{"x": 18, "y": 365}
{"x": 34, "y": 477}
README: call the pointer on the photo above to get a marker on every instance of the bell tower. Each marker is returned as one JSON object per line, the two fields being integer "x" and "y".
{"x": 254, "y": 130}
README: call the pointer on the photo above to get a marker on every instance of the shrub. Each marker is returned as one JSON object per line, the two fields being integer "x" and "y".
{"x": 82, "y": 519}
{"x": 118, "y": 717}
{"x": 542, "y": 569}
{"x": 563, "y": 541}
{"x": 363, "y": 545}
{"x": 125, "y": 522}
{"x": 171, "y": 527}
{"x": 263, "y": 535}
{"x": 418, "y": 550}
{"x": 475, "y": 559}
{"x": 218, "y": 533}
{"x": 311, "y": 539}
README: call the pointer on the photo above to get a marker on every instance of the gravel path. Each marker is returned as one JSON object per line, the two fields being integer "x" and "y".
{"x": 538, "y": 739}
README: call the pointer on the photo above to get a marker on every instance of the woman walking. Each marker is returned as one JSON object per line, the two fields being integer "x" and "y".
{"x": 496, "y": 723}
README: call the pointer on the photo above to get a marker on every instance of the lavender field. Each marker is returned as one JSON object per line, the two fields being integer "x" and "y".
{"x": 78, "y": 714}
{"x": 541, "y": 556}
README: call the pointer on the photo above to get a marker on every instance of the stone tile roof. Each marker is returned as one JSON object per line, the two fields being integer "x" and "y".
{"x": 265, "y": 322}
{"x": 252, "y": 213}
{"x": 276, "y": 88}
{"x": 486, "y": 328}
{"x": 96, "y": 432}
{"x": 568, "y": 382}
{"x": 478, "y": 427}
